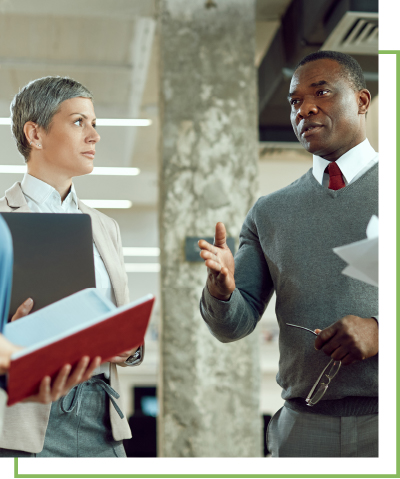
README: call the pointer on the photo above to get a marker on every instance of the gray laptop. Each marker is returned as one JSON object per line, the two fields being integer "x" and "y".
{"x": 53, "y": 257}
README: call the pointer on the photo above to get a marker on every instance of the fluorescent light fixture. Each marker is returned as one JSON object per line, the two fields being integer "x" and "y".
{"x": 122, "y": 122}
{"x": 105, "y": 121}
{"x": 105, "y": 170}
{"x": 12, "y": 169}
{"x": 108, "y": 203}
{"x": 142, "y": 267}
{"x": 141, "y": 251}
{"x": 97, "y": 170}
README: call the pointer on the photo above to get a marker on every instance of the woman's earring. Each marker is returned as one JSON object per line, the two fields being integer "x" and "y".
{"x": 38, "y": 144}
{"x": 30, "y": 143}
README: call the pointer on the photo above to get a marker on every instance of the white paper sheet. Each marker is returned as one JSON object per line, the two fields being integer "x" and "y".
{"x": 362, "y": 256}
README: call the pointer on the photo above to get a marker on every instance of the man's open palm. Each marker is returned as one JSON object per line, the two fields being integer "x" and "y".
{"x": 220, "y": 264}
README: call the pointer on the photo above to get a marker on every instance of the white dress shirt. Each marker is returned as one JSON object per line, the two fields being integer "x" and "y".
{"x": 352, "y": 164}
{"x": 43, "y": 198}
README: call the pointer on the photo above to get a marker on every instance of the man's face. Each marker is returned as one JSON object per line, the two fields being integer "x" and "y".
{"x": 327, "y": 115}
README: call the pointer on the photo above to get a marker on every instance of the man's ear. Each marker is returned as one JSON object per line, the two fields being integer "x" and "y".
{"x": 364, "y": 100}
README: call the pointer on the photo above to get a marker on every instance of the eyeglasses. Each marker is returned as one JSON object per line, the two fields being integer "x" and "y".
{"x": 316, "y": 394}
{"x": 321, "y": 385}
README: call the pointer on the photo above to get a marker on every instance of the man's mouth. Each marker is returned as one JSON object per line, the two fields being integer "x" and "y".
{"x": 310, "y": 130}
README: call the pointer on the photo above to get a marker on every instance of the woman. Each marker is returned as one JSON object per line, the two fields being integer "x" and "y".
{"x": 54, "y": 125}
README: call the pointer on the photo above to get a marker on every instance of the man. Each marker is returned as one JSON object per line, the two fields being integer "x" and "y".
{"x": 286, "y": 245}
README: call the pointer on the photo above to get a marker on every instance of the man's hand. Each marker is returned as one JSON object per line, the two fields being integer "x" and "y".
{"x": 220, "y": 265}
{"x": 64, "y": 381}
{"x": 350, "y": 339}
{"x": 23, "y": 310}
{"x": 6, "y": 350}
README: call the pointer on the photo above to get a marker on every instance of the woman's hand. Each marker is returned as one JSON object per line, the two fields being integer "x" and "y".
{"x": 23, "y": 310}
{"x": 6, "y": 350}
{"x": 122, "y": 357}
{"x": 64, "y": 381}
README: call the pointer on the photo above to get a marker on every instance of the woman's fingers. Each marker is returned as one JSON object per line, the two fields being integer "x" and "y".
{"x": 23, "y": 310}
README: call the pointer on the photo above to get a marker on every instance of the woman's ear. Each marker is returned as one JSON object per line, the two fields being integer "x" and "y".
{"x": 32, "y": 135}
{"x": 364, "y": 100}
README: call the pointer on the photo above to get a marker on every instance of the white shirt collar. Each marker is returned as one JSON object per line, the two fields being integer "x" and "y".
{"x": 40, "y": 192}
{"x": 350, "y": 164}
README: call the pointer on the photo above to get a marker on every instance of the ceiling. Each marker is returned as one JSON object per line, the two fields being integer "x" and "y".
{"x": 111, "y": 46}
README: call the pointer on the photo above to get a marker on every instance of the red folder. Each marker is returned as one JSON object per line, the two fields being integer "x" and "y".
{"x": 120, "y": 332}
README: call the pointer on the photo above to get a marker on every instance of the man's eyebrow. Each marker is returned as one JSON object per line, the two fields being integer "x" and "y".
{"x": 318, "y": 83}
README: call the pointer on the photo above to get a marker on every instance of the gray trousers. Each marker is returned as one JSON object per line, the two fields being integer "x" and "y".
{"x": 79, "y": 426}
{"x": 296, "y": 434}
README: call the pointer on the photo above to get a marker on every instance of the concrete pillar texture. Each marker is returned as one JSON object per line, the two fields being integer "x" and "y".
{"x": 208, "y": 392}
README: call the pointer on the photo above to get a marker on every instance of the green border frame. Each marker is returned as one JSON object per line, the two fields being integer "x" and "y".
{"x": 397, "y": 475}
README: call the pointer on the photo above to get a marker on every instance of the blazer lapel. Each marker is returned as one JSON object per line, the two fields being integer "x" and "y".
{"x": 107, "y": 252}
{"x": 16, "y": 199}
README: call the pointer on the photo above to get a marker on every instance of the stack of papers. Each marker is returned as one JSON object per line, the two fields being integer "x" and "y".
{"x": 362, "y": 256}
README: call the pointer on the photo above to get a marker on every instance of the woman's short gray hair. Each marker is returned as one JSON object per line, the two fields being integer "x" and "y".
{"x": 39, "y": 101}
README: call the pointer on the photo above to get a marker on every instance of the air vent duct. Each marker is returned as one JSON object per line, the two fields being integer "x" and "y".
{"x": 355, "y": 34}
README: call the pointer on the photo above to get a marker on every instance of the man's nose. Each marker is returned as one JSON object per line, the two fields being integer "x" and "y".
{"x": 307, "y": 108}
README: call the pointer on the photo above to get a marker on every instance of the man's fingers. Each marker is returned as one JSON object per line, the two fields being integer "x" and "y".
{"x": 205, "y": 245}
{"x": 220, "y": 235}
{"x": 324, "y": 336}
{"x": 23, "y": 310}
{"x": 213, "y": 265}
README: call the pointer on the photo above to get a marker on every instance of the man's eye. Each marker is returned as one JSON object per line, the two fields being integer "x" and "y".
{"x": 322, "y": 92}
{"x": 294, "y": 102}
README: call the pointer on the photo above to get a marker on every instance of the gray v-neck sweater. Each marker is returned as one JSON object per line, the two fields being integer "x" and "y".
{"x": 286, "y": 245}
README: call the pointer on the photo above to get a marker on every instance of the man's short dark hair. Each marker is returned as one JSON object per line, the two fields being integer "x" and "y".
{"x": 351, "y": 68}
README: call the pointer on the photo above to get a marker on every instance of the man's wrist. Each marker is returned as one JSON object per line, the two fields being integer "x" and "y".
{"x": 215, "y": 294}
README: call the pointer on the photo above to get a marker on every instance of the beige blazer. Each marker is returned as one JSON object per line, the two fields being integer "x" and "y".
{"x": 25, "y": 424}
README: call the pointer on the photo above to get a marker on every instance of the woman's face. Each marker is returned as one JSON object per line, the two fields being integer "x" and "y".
{"x": 68, "y": 147}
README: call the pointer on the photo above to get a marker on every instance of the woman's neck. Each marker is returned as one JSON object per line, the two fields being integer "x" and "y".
{"x": 59, "y": 182}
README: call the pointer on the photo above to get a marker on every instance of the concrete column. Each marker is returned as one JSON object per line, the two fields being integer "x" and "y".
{"x": 209, "y": 392}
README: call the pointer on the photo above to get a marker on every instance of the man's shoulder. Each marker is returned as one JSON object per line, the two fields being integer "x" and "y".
{"x": 285, "y": 194}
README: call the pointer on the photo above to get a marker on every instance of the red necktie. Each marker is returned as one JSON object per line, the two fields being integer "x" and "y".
{"x": 335, "y": 177}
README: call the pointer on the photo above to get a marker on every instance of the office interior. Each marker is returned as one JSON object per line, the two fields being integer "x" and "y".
{"x": 115, "y": 48}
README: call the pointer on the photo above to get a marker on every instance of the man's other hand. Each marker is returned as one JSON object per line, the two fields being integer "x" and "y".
{"x": 64, "y": 381}
{"x": 350, "y": 339}
{"x": 220, "y": 265}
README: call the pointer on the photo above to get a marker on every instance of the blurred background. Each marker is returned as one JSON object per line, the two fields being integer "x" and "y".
{"x": 176, "y": 63}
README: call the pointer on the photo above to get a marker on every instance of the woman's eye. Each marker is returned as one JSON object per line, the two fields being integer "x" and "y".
{"x": 94, "y": 125}
{"x": 78, "y": 122}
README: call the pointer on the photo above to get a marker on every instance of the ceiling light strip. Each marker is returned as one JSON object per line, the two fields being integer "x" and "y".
{"x": 142, "y": 267}
{"x": 97, "y": 170}
{"x": 117, "y": 204}
{"x": 142, "y": 251}
{"x": 105, "y": 121}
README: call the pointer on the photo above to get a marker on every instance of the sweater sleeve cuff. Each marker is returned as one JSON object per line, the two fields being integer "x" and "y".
{"x": 215, "y": 307}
